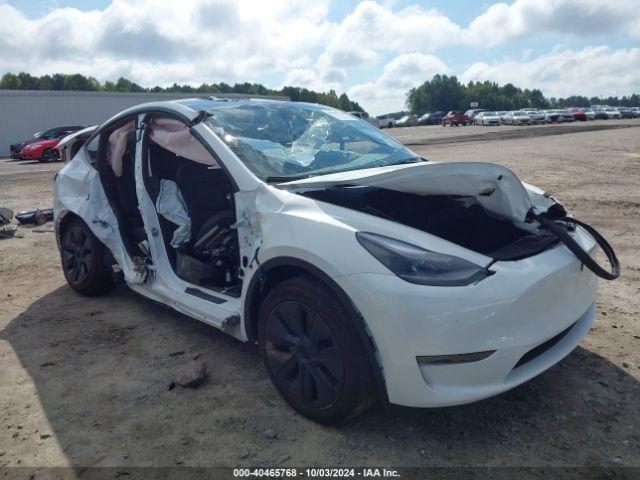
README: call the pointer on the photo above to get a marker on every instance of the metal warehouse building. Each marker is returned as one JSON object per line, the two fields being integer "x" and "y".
{"x": 25, "y": 112}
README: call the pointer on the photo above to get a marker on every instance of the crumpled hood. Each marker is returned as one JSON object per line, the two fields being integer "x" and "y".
{"x": 496, "y": 188}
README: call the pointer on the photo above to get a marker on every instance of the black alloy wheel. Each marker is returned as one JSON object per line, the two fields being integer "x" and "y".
{"x": 83, "y": 259}
{"x": 77, "y": 254}
{"x": 304, "y": 355}
{"x": 49, "y": 155}
{"x": 313, "y": 351}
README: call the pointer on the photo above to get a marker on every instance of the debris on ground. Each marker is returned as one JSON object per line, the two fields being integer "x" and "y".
{"x": 192, "y": 375}
{"x": 35, "y": 217}
{"x": 6, "y": 229}
{"x": 6, "y": 215}
{"x": 9, "y": 231}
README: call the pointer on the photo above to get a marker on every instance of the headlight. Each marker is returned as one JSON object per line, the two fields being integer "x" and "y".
{"x": 417, "y": 265}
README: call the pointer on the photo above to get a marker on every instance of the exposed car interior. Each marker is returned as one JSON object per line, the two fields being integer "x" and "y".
{"x": 194, "y": 202}
{"x": 192, "y": 195}
{"x": 118, "y": 181}
{"x": 459, "y": 219}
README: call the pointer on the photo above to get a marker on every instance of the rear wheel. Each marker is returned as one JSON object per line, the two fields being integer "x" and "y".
{"x": 313, "y": 352}
{"x": 83, "y": 259}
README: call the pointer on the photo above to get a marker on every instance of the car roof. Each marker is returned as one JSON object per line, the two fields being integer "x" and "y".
{"x": 188, "y": 109}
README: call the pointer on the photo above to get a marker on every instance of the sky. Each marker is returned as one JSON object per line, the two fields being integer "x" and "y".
{"x": 374, "y": 51}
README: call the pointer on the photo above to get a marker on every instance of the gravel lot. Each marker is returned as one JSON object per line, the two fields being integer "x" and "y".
{"x": 85, "y": 382}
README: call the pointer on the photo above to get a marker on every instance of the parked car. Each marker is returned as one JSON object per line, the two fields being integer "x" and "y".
{"x": 560, "y": 115}
{"x": 386, "y": 122}
{"x": 579, "y": 115}
{"x": 626, "y": 112}
{"x": 471, "y": 113}
{"x": 552, "y": 115}
{"x": 68, "y": 146}
{"x": 407, "y": 121}
{"x": 434, "y": 118}
{"x": 17, "y": 148}
{"x": 536, "y": 116}
{"x": 487, "y": 118}
{"x": 503, "y": 115}
{"x": 601, "y": 114}
{"x": 517, "y": 118}
{"x": 612, "y": 112}
{"x": 590, "y": 114}
{"x": 365, "y": 116}
{"x": 455, "y": 117}
{"x": 636, "y": 111}
{"x": 227, "y": 212}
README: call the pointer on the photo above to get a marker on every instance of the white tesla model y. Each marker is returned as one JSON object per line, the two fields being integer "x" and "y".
{"x": 361, "y": 270}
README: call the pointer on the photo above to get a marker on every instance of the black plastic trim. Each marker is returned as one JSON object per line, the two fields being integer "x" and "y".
{"x": 204, "y": 295}
{"x": 535, "y": 352}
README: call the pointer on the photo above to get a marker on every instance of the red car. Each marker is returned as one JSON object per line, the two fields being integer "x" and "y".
{"x": 455, "y": 117}
{"x": 578, "y": 115}
{"x": 43, "y": 149}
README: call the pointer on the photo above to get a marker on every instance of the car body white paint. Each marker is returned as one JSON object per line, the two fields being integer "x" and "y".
{"x": 522, "y": 305}
{"x": 484, "y": 119}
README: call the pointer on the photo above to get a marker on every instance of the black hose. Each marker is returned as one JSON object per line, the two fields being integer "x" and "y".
{"x": 578, "y": 251}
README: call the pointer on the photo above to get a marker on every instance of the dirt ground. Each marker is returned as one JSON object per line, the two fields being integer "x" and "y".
{"x": 85, "y": 382}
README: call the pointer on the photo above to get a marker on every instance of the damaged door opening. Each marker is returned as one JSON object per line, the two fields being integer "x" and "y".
{"x": 116, "y": 166}
{"x": 194, "y": 202}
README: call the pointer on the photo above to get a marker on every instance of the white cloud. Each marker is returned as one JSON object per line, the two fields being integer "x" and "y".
{"x": 295, "y": 42}
{"x": 373, "y": 28}
{"x": 193, "y": 40}
{"x": 388, "y": 92}
{"x": 590, "y": 71}
{"x": 528, "y": 18}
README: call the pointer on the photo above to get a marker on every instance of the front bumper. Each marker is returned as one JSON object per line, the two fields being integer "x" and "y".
{"x": 523, "y": 305}
{"x": 32, "y": 154}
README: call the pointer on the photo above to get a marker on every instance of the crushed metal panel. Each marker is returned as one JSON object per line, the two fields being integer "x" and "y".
{"x": 496, "y": 188}
{"x": 78, "y": 190}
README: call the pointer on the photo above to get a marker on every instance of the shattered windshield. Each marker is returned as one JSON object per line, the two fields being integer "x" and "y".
{"x": 282, "y": 141}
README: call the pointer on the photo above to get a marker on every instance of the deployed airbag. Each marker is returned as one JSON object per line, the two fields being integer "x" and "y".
{"x": 118, "y": 145}
{"x": 175, "y": 136}
{"x": 170, "y": 204}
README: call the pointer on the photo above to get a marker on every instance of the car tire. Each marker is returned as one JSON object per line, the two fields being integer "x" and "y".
{"x": 46, "y": 155}
{"x": 313, "y": 352}
{"x": 83, "y": 260}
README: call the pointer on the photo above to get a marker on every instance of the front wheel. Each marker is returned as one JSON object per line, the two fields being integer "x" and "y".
{"x": 313, "y": 352}
{"x": 83, "y": 259}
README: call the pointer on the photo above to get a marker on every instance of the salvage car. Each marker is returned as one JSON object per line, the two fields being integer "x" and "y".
{"x": 536, "y": 116}
{"x": 407, "y": 121}
{"x": 455, "y": 117}
{"x": 589, "y": 113}
{"x": 360, "y": 270}
{"x": 68, "y": 146}
{"x": 434, "y": 118}
{"x": 487, "y": 118}
{"x": 517, "y": 118}
{"x": 41, "y": 145}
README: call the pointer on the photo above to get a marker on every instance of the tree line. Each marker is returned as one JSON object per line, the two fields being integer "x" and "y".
{"x": 78, "y": 82}
{"x": 446, "y": 93}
